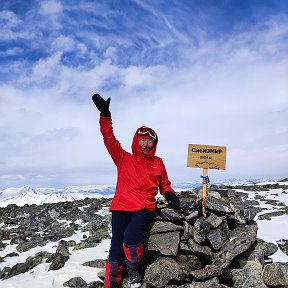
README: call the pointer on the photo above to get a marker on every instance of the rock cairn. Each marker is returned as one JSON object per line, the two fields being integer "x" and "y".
{"x": 184, "y": 249}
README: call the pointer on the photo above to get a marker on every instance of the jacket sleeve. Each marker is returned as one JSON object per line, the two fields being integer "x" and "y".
{"x": 112, "y": 144}
{"x": 165, "y": 184}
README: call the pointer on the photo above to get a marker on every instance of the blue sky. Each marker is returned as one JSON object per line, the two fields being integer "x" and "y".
{"x": 204, "y": 72}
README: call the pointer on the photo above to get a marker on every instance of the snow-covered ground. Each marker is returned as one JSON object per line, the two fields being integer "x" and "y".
{"x": 40, "y": 277}
{"x": 276, "y": 228}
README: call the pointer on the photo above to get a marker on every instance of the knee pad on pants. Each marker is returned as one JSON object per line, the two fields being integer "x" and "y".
{"x": 134, "y": 253}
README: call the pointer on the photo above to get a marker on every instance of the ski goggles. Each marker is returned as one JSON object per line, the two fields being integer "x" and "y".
{"x": 147, "y": 131}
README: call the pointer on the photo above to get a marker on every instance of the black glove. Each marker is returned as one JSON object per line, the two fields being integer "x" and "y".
{"x": 170, "y": 196}
{"x": 102, "y": 105}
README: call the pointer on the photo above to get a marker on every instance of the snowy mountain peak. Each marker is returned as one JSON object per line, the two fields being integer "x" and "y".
{"x": 27, "y": 188}
{"x": 28, "y": 195}
{"x": 33, "y": 198}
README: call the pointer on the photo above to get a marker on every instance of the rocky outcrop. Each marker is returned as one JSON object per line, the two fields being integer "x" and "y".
{"x": 283, "y": 245}
{"x": 19, "y": 268}
{"x": 36, "y": 225}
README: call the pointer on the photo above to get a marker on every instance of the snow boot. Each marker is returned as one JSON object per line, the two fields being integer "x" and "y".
{"x": 134, "y": 255}
{"x": 113, "y": 274}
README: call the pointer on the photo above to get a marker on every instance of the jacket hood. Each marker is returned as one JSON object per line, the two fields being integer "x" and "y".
{"x": 136, "y": 149}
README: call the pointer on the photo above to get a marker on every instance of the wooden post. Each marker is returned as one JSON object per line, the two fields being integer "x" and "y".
{"x": 204, "y": 190}
{"x": 206, "y": 157}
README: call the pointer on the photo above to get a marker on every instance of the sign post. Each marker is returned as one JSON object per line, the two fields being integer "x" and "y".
{"x": 204, "y": 189}
{"x": 206, "y": 157}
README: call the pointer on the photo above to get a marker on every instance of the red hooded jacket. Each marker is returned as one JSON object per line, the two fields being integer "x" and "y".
{"x": 139, "y": 175}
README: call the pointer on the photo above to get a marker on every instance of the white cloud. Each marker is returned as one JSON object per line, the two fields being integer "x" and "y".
{"x": 141, "y": 77}
{"x": 9, "y": 23}
{"x": 9, "y": 19}
{"x": 63, "y": 43}
{"x": 51, "y": 7}
{"x": 11, "y": 52}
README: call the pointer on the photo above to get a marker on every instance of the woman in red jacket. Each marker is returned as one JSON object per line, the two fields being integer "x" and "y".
{"x": 140, "y": 176}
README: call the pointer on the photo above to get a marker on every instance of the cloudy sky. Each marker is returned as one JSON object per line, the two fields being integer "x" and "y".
{"x": 202, "y": 72}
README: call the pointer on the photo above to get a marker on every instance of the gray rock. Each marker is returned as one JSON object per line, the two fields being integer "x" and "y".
{"x": 4, "y": 273}
{"x": 97, "y": 225}
{"x": 2, "y": 245}
{"x": 171, "y": 215}
{"x": 240, "y": 240}
{"x": 163, "y": 270}
{"x": 63, "y": 248}
{"x": 187, "y": 231}
{"x": 188, "y": 202}
{"x": 214, "y": 221}
{"x": 188, "y": 263}
{"x": 214, "y": 239}
{"x": 58, "y": 262}
{"x": 209, "y": 271}
{"x": 12, "y": 254}
{"x": 95, "y": 284}
{"x": 210, "y": 283}
{"x": 25, "y": 246}
{"x": 200, "y": 250}
{"x": 101, "y": 275}
{"x": 161, "y": 227}
{"x": 243, "y": 216}
{"x": 251, "y": 265}
{"x": 165, "y": 243}
{"x": 275, "y": 275}
{"x": 268, "y": 248}
{"x": 283, "y": 245}
{"x": 91, "y": 241}
{"x": 76, "y": 282}
{"x": 192, "y": 217}
{"x": 18, "y": 269}
{"x": 247, "y": 278}
{"x": 218, "y": 206}
{"x": 184, "y": 249}
{"x": 200, "y": 230}
{"x": 100, "y": 263}
{"x": 43, "y": 254}
{"x": 33, "y": 261}
{"x": 252, "y": 254}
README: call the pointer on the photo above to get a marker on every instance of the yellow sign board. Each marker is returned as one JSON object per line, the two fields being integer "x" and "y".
{"x": 206, "y": 156}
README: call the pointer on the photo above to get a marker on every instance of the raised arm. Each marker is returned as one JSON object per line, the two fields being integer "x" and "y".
{"x": 112, "y": 144}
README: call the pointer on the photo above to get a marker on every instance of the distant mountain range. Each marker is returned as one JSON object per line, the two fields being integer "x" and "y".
{"x": 28, "y": 195}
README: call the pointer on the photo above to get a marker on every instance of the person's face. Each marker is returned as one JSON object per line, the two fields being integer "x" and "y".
{"x": 146, "y": 145}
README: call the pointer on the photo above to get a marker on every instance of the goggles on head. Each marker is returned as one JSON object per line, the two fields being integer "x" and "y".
{"x": 147, "y": 131}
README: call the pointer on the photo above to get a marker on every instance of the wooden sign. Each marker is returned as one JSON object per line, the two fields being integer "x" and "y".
{"x": 206, "y": 156}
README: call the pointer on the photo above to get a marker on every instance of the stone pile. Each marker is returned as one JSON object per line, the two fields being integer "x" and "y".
{"x": 184, "y": 249}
